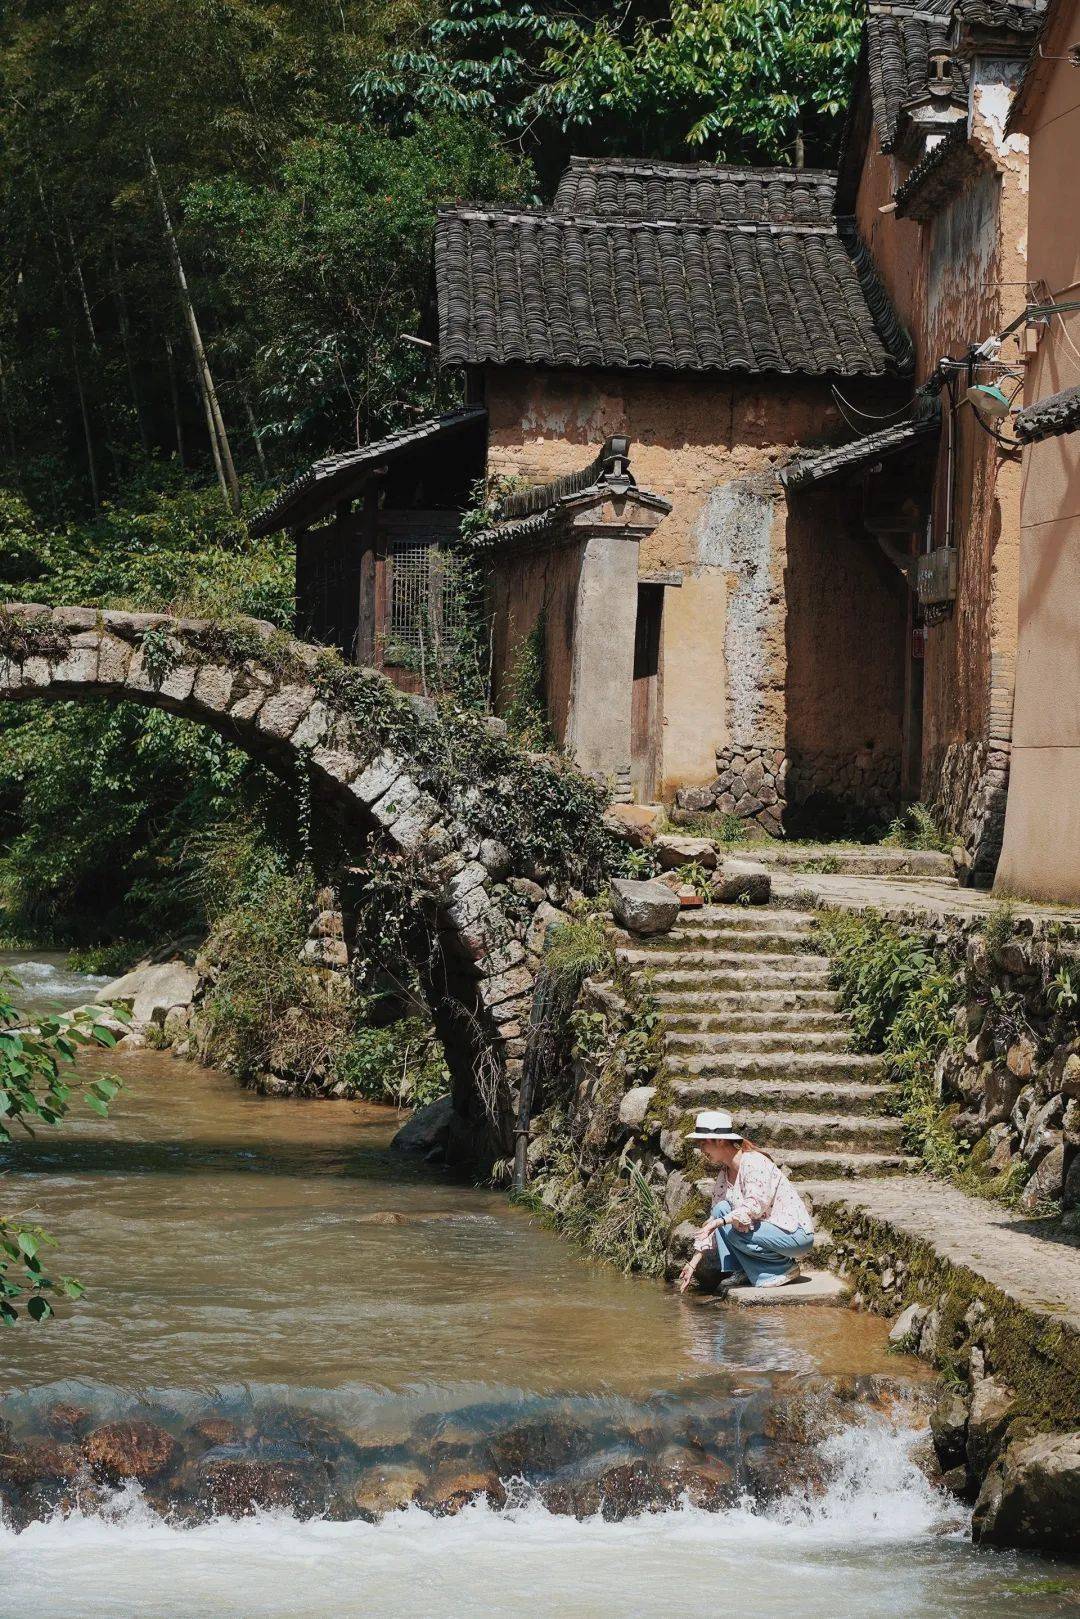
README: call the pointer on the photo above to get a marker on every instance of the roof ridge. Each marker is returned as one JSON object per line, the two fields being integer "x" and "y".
{"x": 703, "y": 167}
{"x": 620, "y": 222}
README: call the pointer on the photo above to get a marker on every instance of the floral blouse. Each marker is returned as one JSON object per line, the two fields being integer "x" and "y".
{"x": 761, "y": 1191}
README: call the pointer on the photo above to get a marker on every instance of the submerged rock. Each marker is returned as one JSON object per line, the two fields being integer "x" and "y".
{"x": 453, "y": 1486}
{"x": 234, "y": 1484}
{"x": 543, "y": 1445}
{"x": 39, "y": 1461}
{"x": 387, "y": 1488}
{"x": 131, "y": 1450}
{"x": 428, "y": 1128}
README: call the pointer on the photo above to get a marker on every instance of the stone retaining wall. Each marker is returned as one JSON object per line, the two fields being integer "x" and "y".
{"x": 782, "y": 792}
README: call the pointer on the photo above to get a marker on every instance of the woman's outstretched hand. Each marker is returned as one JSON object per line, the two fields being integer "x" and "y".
{"x": 686, "y": 1275}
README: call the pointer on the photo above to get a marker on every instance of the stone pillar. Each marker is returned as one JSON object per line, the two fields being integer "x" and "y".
{"x": 602, "y": 672}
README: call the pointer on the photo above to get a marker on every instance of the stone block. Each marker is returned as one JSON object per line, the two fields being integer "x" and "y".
{"x": 635, "y": 1105}
{"x": 282, "y": 713}
{"x": 742, "y": 879}
{"x": 377, "y": 778}
{"x": 673, "y": 850}
{"x": 643, "y": 907}
{"x": 1047, "y": 1183}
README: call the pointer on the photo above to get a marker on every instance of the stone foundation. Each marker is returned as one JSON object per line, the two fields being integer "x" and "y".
{"x": 781, "y": 792}
{"x": 966, "y": 787}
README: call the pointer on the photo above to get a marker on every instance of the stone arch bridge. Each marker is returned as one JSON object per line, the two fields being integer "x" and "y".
{"x": 275, "y": 698}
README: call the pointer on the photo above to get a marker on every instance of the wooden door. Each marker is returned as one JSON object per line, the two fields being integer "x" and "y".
{"x": 645, "y": 708}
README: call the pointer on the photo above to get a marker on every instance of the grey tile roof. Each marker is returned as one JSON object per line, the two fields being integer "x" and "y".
{"x": 1013, "y": 15}
{"x": 331, "y": 478}
{"x": 1049, "y": 417}
{"x": 897, "y": 41}
{"x": 539, "y": 513}
{"x": 816, "y": 467}
{"x": 702, "y": 193}
{"x": 607, "y": 292}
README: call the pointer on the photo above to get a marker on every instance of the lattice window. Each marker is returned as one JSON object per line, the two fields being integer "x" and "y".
{"x": 427, "y": 604}
{"x": 410, "y": 594}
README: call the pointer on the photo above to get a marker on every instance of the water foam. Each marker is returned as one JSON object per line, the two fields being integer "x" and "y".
{"x": 879, "y": 1539}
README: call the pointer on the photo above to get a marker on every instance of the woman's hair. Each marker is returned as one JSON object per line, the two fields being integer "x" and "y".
{"x": 751, "y": 1146}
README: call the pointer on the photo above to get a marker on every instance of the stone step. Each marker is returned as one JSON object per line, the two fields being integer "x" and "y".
{"x": 706, "y": 960}
{"x": 761, "y": 1001}
{"x": 740, "y": 981}
{"x": 746, "y": 918}
{"x": 834, "y": 1066}
{"x": 704, "y": 1041}
{"x": 867, "y": 861}
{"x": 769, "y": 1095}
{"x": 814, "y": 1164}
{"x": 831, "y": 1132}
{"x": 765, "y": 1023}
{"x": 707, "y": 941}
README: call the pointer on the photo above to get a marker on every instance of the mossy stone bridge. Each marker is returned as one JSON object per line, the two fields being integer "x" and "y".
{"x": 282, "y": 701}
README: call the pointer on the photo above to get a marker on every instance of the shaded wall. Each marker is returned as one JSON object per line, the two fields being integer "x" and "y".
{"x": 1041, "y": 855}
{"x": 526, "y": 586}
{"x": 955, "y": 280}
{"x": 711, "y": 446}
{"x": 846, "y": 639}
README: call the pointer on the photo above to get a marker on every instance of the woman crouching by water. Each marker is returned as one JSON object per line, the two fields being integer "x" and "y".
{"x": 759, "y": 1227}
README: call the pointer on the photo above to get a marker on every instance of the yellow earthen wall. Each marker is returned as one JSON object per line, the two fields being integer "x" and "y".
{"x": 703, "y": 444}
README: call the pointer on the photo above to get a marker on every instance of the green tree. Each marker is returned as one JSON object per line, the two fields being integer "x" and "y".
{"x": 37, "y": 1087}
{"x": 747, "y": 80}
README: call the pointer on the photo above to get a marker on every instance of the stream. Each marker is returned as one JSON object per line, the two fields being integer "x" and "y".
{"x": 272, "y": 1289}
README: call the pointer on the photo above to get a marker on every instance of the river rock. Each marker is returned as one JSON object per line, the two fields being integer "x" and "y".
{"x": 630, "y": 1487}
{"x": 388, "y": 1488}
{"x": 949, "y": 1427}
{"x": 453, "y": 1486}
{"x": 209, "y": 1432}
{"x": 1032, "y": 1498}
{"x": 993, "y": 1407}
{"x": 643, "y": 907}
{"x": 744, "y": 880}
{"x": 153, "y": 990}
{"x": 542, "y": 1445}
{"x": 39, "y": 1462}
{"x": 132, "y": 1449}
{"x": 233, "y": 1483}
{"x": 908, "y": 1325}
{"x": 67, "y": 1421}
{"x": 428, "y": 1128}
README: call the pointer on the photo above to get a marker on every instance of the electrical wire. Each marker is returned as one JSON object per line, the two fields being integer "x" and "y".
{"x": 868, "y": 415}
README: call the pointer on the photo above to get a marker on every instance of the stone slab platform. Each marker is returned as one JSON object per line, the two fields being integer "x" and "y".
{"x": 813, "y": 1287}
{"x": 934, "y": 900}
{"x": 1031, "y": 1261}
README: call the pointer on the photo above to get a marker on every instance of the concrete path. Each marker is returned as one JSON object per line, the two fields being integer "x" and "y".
{"x": 1027, "y": 1260}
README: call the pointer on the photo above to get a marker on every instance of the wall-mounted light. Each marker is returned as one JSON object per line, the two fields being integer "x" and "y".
{"x": 990, "y": 402}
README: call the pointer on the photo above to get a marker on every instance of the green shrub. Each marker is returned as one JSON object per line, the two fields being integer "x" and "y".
{"x": 915, "y": 828}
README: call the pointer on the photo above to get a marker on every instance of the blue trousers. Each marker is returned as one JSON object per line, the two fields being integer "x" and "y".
{"x": 764, "y": 1250}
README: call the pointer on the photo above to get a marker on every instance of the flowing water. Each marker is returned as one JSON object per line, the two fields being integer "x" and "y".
{"x": 261, "y": 1261}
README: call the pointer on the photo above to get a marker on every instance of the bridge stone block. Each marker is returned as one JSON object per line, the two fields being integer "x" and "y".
{"x": 76, "y": 618}
{"x": 408, "y": 830}
{"x": 315, "y": 727}
{"x": 213, "y": 687}
{"x": 283, "y": 713}
{"x": 395, "y": 801}
{"x": 377, "y": 778}
{"x": 78, "y": 666}
{"x": 470, "y": 908}
{"x": 114, "y": 659}
{"x": 35, "y": 672}
{"x": 250, "y": 691}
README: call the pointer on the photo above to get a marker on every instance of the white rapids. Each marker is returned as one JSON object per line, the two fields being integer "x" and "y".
{"x": 881, "y": 1540}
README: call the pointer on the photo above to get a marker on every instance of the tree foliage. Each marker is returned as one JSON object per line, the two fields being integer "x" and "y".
{"x": 38, "y": 1087}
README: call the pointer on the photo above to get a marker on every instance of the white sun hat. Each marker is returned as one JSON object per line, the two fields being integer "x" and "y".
{"x": 714, "y": 1125}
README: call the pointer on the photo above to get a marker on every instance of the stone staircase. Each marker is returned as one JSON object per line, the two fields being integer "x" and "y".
{"x": 751, "y": 1024}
